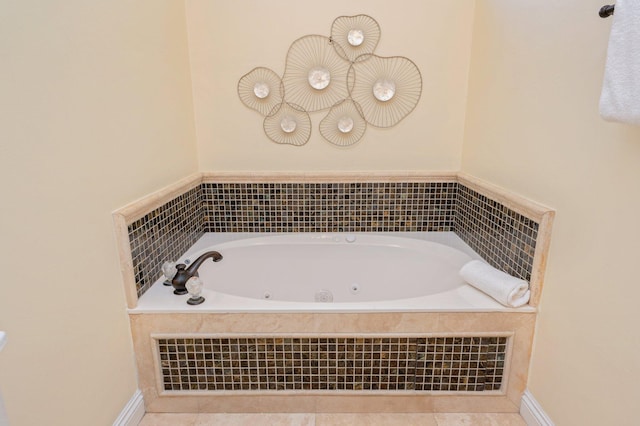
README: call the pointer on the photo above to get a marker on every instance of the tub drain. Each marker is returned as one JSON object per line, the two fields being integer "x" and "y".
{"x": 324, "y": 296}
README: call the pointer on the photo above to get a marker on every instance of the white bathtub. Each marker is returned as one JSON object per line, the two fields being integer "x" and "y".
{"x": 335, "y": 272}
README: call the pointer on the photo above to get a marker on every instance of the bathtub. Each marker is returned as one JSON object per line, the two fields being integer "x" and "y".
{"x": 328, "y": 272}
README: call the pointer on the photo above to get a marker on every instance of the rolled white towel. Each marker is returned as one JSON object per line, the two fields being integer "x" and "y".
{"x": 510, "y": 291}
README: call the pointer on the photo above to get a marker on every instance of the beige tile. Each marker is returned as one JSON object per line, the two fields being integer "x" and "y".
{"x": 254, "y": 323}
{"x": 270, "y": 419}
{"x": 543, "y": 242}
{"x": 374, "y": 404}
{"x": 171, "y": 404}
{"x": 483, "y": 322}
{"x": 479, "y": 419}
{"x": 474, "y": 404}
{"x": 329, "y": 177}
{"x": 276, "y": 323}
{"x": 258, "y": 404}
{"x": 168, "y": 419}
{"x": 389, "y": 322}
{"x": 332, "y": 419}
{"x": 375, "y": 419}
{"x": 139, "y": 208}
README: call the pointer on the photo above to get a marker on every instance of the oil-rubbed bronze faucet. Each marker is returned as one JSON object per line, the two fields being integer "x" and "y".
{"x": 179, "y": 281}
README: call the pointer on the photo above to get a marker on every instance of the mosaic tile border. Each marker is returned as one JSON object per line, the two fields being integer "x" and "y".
{"x": 504, "y": 238}
{"x": 162, "y": 234}
{"x": 367, "y": 364}
{"x": 329, "y": 207}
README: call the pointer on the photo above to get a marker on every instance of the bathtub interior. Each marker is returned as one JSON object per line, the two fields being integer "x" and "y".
{"x": 338, "y": 272}
{"x": 332, "y": 267}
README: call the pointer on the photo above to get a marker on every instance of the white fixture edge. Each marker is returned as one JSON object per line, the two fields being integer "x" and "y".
{"x": 133, "y": 412}
{"x": 532, "y": 412}
{"x": 3, "y": 339}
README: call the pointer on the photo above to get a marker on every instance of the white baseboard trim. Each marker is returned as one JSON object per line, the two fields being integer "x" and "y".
{"x": 532, "y": 412}
{"x": 133, "y": 412}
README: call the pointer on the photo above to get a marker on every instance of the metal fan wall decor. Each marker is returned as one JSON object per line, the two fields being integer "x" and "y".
{"x": 339, "y": 73}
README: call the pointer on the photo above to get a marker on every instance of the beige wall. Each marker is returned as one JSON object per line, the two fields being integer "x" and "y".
{"x": 533, "y": 127}
{"x": 95, "y": 111}
{"x": 228, "y": 39}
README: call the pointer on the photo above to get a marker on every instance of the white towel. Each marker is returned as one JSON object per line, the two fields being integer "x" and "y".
{"x": 620, "y": 98}
{"x": 508, "y": 290}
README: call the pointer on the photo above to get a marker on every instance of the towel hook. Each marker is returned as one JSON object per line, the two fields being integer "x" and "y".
{"x": 606, "y": 11}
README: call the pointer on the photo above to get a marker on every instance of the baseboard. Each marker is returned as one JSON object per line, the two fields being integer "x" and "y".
{"x": 133, "y": 412}
{"x": 532, "y": 412}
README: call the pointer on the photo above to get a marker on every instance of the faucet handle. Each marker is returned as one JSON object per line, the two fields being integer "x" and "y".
{"x": 194, "y": 287}
{"x": 169, "y": 271}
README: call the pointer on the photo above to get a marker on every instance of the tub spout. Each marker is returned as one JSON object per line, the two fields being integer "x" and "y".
{"x": 183, "y": 273}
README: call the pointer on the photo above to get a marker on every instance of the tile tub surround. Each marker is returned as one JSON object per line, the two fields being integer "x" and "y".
{"x": 333, "y": 363}
{"x": 372, "y": 202}
{"x": 329, "y": 207}
{"x": 510, "y": 232}
{"x": 164, "y": 233}
{"x": 146, "y": 328}
{"x": 152, "y": 245}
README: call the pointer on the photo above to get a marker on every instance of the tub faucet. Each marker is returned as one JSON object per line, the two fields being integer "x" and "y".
{"x": 179, "y": 281}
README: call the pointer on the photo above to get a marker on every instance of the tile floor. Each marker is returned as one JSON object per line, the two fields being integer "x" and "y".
{"x": 332, "y": 419}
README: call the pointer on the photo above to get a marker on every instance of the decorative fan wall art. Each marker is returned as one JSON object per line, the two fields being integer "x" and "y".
{"x": 288, "y": 124}
{"x": 339, "y": 73}
{"x": 260, "y": 89}
{"x": 356, "y": 35}
{"x": 388, "y": 89}
{"x": 315, "y": 76}
{"x": 344, "y": 125}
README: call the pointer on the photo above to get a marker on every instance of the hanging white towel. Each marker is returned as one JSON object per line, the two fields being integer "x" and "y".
{"x": 508, "y": 290}
{"x": 620, "y": 98}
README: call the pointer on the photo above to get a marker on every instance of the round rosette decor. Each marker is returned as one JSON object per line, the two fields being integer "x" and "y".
{"x": 344, "y": 125}
{"x": 315, "y": 75}
{"x": 261, "y": 90}
{"x": 288, "y": 124}
{"x": 356, "y": 35}
{"x": 387, "y": 88}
